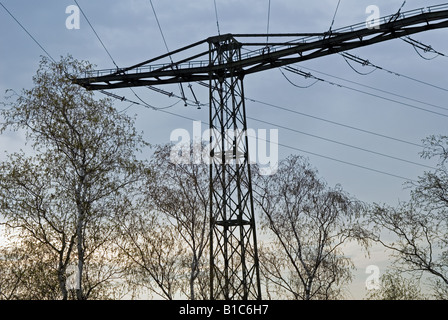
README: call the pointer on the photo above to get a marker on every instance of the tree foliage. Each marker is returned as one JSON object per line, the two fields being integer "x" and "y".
{"x": 181, "y": 192}
{"x": 310, "y": 222}
{"x": 65, "y": 196}
{"x": 417, "y": 231}
{"x": 396, "y": 287}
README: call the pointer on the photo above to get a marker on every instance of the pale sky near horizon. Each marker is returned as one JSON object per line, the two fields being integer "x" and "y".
{"x": 130, "y": 32}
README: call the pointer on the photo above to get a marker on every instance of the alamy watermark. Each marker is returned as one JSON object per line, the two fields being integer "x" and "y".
{"x": 72, "y": 281}
{"x": 373, "y": 280}
{"x": 373, "y": 20}
{"x": 230, "y": 147}
{"x": 73, "y": 21}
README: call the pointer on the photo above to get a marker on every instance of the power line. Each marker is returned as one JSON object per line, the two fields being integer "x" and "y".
{"x": 216, "y": 17}
{"x": 150, "y": 106}
{"x": 113, "y": 61}
{"x": 271, "y": 105}
{"x": 107, "y": 51}
{"x": 96, "y": 34}
{"x": 334, "y": 16}
{"x": 365, "y": 62}
{"x": 309, "y": 75}
{"x": 284, "y": 145}
{"x": 314, "y": 136}
{"x": 341, "y": 143}
{"x": 425, "y": 48}
{"x": 167, "y": 49}
{"x": 160, "y": 28}
{"x": 358, "y": 72}
{"x": 29, "y": 34}
{"x": 303, "y": 133}
{"x": 376, "y": 89}
{"x": 345, "y": 162}
{"x": 294, "y": 84}
{"x": 269, "y": 22}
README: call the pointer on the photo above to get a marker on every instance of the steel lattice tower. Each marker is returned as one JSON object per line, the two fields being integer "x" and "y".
{"x": 234, "y": 266}
{"x": 234, "y": 261}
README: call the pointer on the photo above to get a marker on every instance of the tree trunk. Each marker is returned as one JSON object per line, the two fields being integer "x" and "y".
{"x": 80, "y": 239}
{"x": 62, "y": 283}
{"x": 79, "y": 229}
{"x": 308, "y": 289}
{"x": 193, "y": 276}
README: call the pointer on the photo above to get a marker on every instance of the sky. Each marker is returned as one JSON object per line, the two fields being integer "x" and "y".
{"x": 129, "y": 31}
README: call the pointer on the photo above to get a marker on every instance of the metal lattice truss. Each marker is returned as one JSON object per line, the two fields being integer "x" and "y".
{"x": 192, "y": 63}
{"x": 234, "y": 261}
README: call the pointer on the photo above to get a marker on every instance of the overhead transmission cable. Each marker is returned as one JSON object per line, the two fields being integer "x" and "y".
{"x": 293, "y": 111}
{"x": 340, "y": 161}
{"x": 110, "y": 56}
{"x": 269, "y": 22}
{"x": 354, "y": 69}
{"x": 365, "y": 62}
{"x": 96, "y": 34}
{"x": 160, "y": 29}
{"x": 334, "y": 122}
{"x": 217, "y": 17}
{"x": 425, "y": 48}
{"x": 376, "y": 89}
{"x": 144, "y": 104}
{"x": 341, "y": 143}
{"x": 314, "y": 136}
{"x": 168, "y": 50}
{"x": 309, "y": 75}
{"x": 27, "y": 32}
{"x": 334, "y": 16}
{"x": 281, "y": 145}
{"x": 395, "y": 16}
{"x": 339, "y": 124}
{"x": 294, "y": 84}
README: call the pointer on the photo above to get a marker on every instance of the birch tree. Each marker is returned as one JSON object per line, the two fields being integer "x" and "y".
{"x": 181, "y": 192}
{"x": 416, "y": 231}
{"x": 310, "y": 224}
{"x": 152, "y": 253}
{"x": 85, "y": 161}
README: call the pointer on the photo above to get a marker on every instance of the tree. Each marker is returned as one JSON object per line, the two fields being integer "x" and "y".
{"x": 396, "y": 287}
{"x": 65, "y": 196}
{"x": 27, "y": 272}
{"x": 419, "y": 227}
{"x": 26, "y": 207}
{"x": 181, "y": 192}
{"x": 310, "y": 222}
{"x": 415, "y": 238}
{"x": 152, "y": 253}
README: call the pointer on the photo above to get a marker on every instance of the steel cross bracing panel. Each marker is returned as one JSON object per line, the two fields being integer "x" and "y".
{"x": 224, "y": 61}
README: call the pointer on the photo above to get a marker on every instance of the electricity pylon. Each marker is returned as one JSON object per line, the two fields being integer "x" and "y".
{"x": 234, "y": 265}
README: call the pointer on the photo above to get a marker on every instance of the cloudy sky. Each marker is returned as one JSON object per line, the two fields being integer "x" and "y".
{"x": 323, "y": 112}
